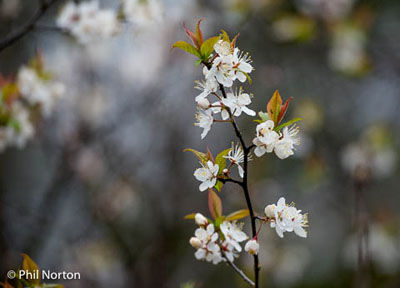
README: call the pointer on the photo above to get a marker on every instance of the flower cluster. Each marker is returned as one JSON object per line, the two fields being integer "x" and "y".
{"x": 268, "y": 140}
{"x": 286, "y": 218}
{"x": 216, "y": 244}
{"x": 228, "y": 64}
{"x": 87, "y": 22}
{"x": 34, "y": 91}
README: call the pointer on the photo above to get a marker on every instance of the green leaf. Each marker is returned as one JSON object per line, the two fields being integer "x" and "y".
{"x": 238, "y": 215}
{"x": 214, "y": 204}
{"x": 225, "y": 36}
{"x": 221, "y": 161}
{"x": 219, "y": 185}
{"x": 287, "y": 123}
{"x": 274, "y": 106}
{"x": 197, "y": 62}
{"x": 186, "y": 47}
{"x": 208, "y": 47}
{"x": 200, "y": 155}
{"x": 9, "y": 91}
{"x": 219, "y": 221}
{"x": 29, "y": 265}
{"x": 190, "y": 216}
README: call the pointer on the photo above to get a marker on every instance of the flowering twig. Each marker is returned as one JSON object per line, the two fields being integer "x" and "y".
{"x": 27, "y": 27}
{"x": 245, "y": 188}
{"x": 218, "y": 238}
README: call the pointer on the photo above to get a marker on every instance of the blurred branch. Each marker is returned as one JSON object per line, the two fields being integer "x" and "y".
{"x": 240, "y": 272}
{"x": 19, "y": 33}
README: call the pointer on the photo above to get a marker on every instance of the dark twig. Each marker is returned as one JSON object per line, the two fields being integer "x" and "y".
{"x": 231, "y": 180}
{"x": 27, "y": 27}
{"x": 246, "y": 151}
{"x": 240, "y": 272}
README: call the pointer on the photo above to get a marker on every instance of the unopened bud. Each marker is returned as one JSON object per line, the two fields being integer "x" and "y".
{"x": 195, "y": 242}
{"x": 203, "y": 103}
{"x": 269, "y": 211}
{"x": 225, "y": 171}
{"x": 200, "y": 219}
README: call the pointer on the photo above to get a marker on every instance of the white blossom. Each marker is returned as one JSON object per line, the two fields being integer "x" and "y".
{"x": 265, "y": 139}
{"x": 252, "y": 247}
{"x": 223, "y": 48}
{"x": 241, "y": 65}
{"x": 207, "y": 175}
{"x": 218, "y": 107}
{"x": 237, "y": 103}
{"x": 207, "y": 87}
{"x": 207, "y": 247}
{"x": 233, "y": 234}
{"x": 87, "y": 22}
{"x": 284, "y": 146}
{"x": 288, "y": 219}
{"x": 39, "y": 90}
{"x": 222, "y": 69}
{"x": 236, "y": 156}
{"x": 204, "y": 120}
{"x": 19, "y": 130}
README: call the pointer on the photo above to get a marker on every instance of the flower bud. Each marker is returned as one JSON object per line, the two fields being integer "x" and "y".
{"x": 203, "y": 103}
{"x": 200, "y": 219}
{"x": 269, "y": 211}
{"x": 252, "y": 247}
{"x": 195, "y": 242}
{"x": 225, "y": 171}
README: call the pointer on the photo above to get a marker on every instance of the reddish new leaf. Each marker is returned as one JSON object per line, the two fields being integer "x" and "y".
{"x": 192, "y": 36}
{"x": 209, "y": 155}
{"x": 199, "y": 34}
{"x": 214, "y": 204}
{"x": 284, "y": 108}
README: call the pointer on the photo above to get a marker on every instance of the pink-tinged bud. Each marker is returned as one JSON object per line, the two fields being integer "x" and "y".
{"x": 225, "y": 171}
{"x": 200, "y": 219}
{"x": 195, "y": 242}
{"x": 203, "y": 103}
{"x": 252, "y": 247}
{"x": 269, "y": 211}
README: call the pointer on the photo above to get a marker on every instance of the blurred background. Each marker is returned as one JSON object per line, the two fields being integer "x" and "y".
{"x": 103, "y": 187}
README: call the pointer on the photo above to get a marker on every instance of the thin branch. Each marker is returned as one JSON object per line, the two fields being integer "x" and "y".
{"x": 246, "y": 151}
{"x": 240, "y": 272}
{"x": 231, "y": 180}
{"x": 27, "y": 27}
